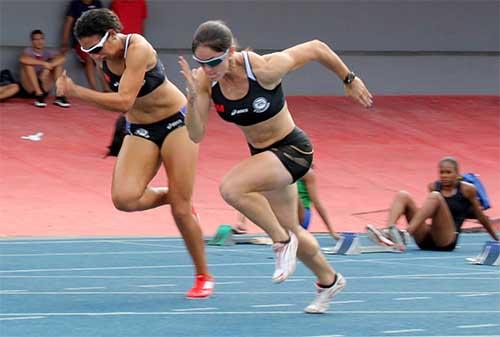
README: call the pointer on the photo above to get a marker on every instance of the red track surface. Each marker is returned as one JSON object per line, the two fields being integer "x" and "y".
{"x": 60, "y": 185}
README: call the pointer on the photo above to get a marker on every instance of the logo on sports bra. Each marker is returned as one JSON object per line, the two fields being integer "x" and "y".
{"x": 260, "y": 104}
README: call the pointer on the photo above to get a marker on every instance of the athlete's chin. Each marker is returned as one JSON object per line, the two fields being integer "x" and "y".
{"x": 214, "y": 77}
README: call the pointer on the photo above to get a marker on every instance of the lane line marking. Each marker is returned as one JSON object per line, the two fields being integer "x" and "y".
{"x": 193, "y": 309}
{"x": 156, "y": 285}
{"x": 85, "y": 288}
{"x": 21, "y": 317}
{"x": 476, "y": 326}
{"x": 343, "y": 312}
{"x": 271, "y": 305}
{"x": 411, "y": 298}
{"x": 402, "y": 331}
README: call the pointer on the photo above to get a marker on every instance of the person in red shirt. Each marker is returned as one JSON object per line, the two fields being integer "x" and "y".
{"x": 132, "y": 14}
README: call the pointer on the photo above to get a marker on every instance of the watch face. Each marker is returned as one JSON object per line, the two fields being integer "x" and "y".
{"x": 350, "y": 78}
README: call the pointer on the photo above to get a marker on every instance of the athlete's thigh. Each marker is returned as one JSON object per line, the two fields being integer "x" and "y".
{"x": 137, "y": 164}
{"x": 284, "y": 203}
{"x": 261, "y": 172}
{"x": 180, "y": 156}
{"x": 442, "y": 225}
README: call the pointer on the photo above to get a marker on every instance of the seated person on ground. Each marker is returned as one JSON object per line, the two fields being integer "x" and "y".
{"x": 449, "y": 202}
{"x": 40, "y": 68}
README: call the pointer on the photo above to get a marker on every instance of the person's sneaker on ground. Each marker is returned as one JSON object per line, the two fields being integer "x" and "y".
{"x": 62, "y": 101}
{"x": 324, "y": 296}
{"x": 378, "y": 237}
{"x": 203, "y": 287}
{"x": 397, "y": 238}
{"x": 40, "y": 101}
{"x": 286, "y": 258}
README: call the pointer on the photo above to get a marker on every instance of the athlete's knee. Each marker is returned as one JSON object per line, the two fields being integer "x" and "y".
{"x": 403, "y": 195}
{"x": 125, "y": 201}
{"x": 435, "y": 195}
{"x": 230, "y": 192}
{"x": 182, "y": 211}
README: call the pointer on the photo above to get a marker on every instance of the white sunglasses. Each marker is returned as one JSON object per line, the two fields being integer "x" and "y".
{"x": 97, "y": 47}
{"x": 214, "y": 61}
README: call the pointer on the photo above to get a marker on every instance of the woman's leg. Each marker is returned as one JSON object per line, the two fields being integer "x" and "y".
{"x": 137, "y": 164}
{"x": 442, "y": 228}
{"x": 241, "y": 187}
{"x": 403, "y": 204}
{"x": 180, "y": 156}
{"x": 284, "y": 205}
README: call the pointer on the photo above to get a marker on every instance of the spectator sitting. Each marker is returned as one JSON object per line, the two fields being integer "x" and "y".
{"x": 40, "y": 68}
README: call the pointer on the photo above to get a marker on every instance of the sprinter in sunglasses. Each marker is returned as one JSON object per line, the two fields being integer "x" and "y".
{"x": 154, "y": 109}
{"x": 246, "y": 90}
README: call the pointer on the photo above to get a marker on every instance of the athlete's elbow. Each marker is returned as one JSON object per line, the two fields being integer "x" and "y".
{"x": 125, "y": 105}
{"x": 196, "y": 137}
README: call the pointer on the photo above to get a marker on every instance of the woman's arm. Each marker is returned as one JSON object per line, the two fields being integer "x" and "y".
{"x": 469, "y": 192}
{"x": 198, "y": 95}
{"x": 271, "y": 68}
{"x": 310, "y": 181}
{"x": 130, "y": 82}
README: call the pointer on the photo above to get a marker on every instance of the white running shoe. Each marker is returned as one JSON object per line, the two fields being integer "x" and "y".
{"x": 325, "y": 296}
{"x": 397, "y": 237}
{"x": 286, "y": 258}
{"x": 378, "y": 237}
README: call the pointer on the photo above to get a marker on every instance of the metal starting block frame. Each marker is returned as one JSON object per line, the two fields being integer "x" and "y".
{"x": 350, "y": 244}
{"x": 225, "y": 236}
{"x": 489, "y": 256}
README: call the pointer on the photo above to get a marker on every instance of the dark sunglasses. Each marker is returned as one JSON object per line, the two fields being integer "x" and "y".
{"x": 95, "y": 49}
{"x": 213, "y": 62}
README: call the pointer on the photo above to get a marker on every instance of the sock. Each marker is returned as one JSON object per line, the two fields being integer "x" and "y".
{"x": 328, "y": 286}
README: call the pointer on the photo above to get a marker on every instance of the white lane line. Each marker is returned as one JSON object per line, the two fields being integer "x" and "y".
{"x": 21, "y": 317}
{"x": 231, "y": 282}
{"x": 110, "y": 240}
{"x": 135, "y": 267}
{"x": 411, "y": 298}
{"x": 475, "y": 295}
{"x": 342, "y": 312}
{"x": 476, "y": 326}
{"x": 271, "y": 305}
{"x": 385, "y": 277}
{"x": 97, "y": 253}
{"x": 28, "y": 292}
{"x": 402, "y": 331}
{"x": 11, "y": 291}
{"x": 351, "y": 301}
{"x": 156, "y": 285}
{"x": 193, "y": 309}
{"x": 85, "y": 288}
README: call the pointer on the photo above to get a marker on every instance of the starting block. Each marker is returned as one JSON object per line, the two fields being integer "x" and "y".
{"x": 489, "y": 256}
{"x": 226, "y": 236}
{"x": 350, "y": 244}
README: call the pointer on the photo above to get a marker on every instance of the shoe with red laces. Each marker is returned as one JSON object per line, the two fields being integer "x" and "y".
{"x": 203, "y": 287}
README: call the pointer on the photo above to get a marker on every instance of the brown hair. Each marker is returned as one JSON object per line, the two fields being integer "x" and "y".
{"x": 214, "y": 34}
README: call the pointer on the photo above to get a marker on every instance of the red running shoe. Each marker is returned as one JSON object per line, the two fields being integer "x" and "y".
{"x": 203, "y": 287}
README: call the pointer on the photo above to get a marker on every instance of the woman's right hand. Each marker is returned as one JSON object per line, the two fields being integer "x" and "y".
{"x": 192, "y": 76}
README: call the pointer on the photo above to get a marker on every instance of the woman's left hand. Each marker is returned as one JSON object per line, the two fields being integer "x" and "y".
{"x": 65, "y": 85}
{"x": 358, "y": 92}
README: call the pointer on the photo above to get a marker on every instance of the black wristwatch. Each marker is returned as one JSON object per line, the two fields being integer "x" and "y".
{"x": 349, "y": 78}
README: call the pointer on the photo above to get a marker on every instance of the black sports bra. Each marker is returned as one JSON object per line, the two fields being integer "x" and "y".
{"x": 152, "y": 78}
{"x": 258, "y": 105}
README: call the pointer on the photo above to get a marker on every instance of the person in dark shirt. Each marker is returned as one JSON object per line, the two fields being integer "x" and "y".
{"x": 75, "y": 9}
{"x": 246, "y": 90}
{"x": 449, "y": 202}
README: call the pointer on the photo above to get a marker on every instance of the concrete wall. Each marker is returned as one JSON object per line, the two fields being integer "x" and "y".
{"x": 397, "y": 46}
